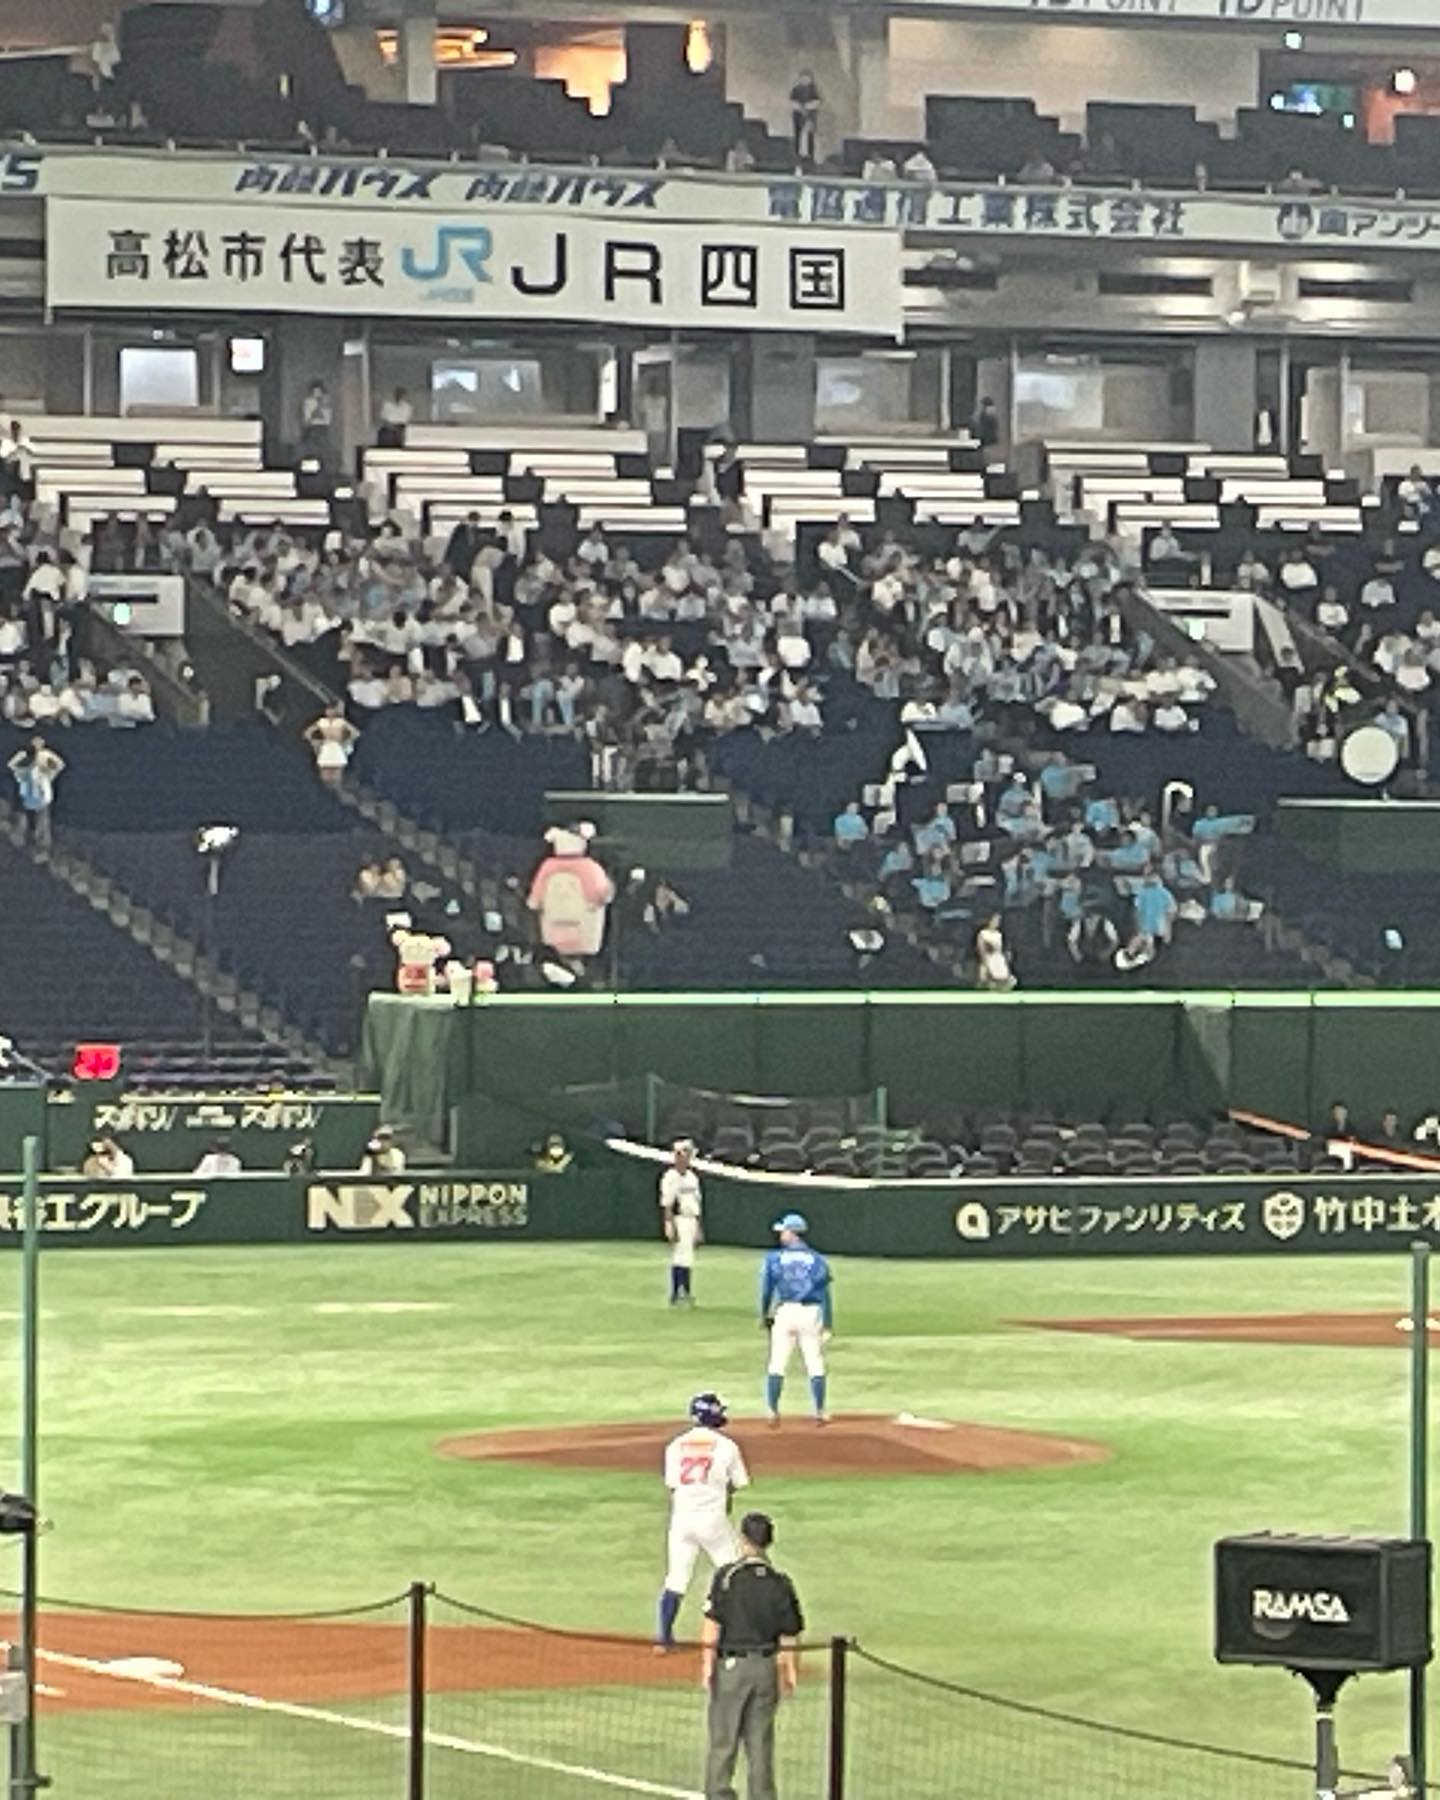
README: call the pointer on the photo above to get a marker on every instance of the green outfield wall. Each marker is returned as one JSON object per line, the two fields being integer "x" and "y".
{"x": 1207, "y": 1215}
{"x": 1119, "y": 1056}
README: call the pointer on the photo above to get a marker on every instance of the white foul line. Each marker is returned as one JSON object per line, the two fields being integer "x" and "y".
{"x": 320, "y": 1715}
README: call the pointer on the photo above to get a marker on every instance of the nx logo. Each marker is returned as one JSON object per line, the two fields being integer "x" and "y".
{"x": 1280, "y": 1606}
{"x": 363, "y": 1206}
{"x": 469, "y": 244}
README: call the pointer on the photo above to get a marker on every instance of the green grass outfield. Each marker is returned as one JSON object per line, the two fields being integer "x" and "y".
{"x": 247, "y": 1430}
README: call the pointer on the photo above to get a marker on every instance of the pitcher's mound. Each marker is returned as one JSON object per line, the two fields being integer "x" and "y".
{"x": 855, "y": 1444}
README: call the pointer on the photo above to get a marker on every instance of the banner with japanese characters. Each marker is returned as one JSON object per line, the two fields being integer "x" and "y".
{"x": 152, "y": 256}
{"x": 1173, "y": 1216}
{"x": 632, "y": 202}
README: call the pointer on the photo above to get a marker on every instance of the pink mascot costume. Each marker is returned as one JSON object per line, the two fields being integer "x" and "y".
{"x": 571, "y": 893}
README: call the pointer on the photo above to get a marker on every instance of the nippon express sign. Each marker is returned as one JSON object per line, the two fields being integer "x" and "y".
{"x": 413, "y": 1208}
{"x": 148, "y": 256}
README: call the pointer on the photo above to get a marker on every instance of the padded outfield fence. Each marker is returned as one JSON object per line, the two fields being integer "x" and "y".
{"x": 425, "y": 1697}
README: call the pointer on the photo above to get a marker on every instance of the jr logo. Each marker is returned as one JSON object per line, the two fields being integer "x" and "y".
{"x": 469, "y": 244}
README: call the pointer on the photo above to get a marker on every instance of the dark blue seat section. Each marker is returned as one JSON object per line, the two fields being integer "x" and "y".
{"x": 284, "y": 922}
{"x": 458, "y": 780}
{"x": 1352, "y": 912}
{"x": 68, "y": 975}
{"x": 162, "y": 779}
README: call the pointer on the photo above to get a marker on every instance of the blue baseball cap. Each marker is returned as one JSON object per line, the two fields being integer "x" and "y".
{"x": 791, "y": 1222}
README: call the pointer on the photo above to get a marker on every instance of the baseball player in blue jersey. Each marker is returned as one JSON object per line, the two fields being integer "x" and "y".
{"x": 795, "y": 1307}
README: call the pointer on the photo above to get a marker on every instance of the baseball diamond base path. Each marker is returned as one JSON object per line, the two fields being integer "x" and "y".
{"x": 1336, "y": 1329}
{"x": 853, "y": 1444}
{"x": 123, "y": 1662}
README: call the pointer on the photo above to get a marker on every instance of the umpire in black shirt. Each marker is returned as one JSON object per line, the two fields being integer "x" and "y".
{"x": 752, "y": 1619}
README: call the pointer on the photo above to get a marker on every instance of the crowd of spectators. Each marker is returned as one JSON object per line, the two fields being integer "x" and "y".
{"x": 652, "y": 665}
{"x": 1050, "y": 840}
{"x": 44, "y": 681}
{"x": 1375, "y": 609}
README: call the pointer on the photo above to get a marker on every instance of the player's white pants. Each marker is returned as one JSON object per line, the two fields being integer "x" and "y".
{"x": 795, "y": 1328}
{"x": 711, "y": 1533}
{"x": 682, "y": 1247}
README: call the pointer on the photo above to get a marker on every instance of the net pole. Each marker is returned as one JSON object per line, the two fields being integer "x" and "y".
{"x": 652, "y": 1108}
{"x": 839, "y": 1668}
{"x": 23, "y": 1778}
{"x": 1419, "y": 1480}
{"x": 419, "y": 1626}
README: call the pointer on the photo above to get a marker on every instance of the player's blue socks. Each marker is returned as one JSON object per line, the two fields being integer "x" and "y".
{"x": 773, "y": 1385}
{"x": 684, "y": 1275}
{"x": 817, "y": 1392}
{"x": 669, "y": 1612}
{"x": 677, "y": 1283}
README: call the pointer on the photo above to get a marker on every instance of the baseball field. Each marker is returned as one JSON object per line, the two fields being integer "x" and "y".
{"x": 260, "y": 1432}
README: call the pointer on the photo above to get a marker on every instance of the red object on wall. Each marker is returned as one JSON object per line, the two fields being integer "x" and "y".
{"x": 96, "y": 1062}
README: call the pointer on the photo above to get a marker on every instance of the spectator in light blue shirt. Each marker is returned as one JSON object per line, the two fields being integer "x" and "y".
{"x": 1181, "y": 869}
{"x": 1014, "y": 800}
{"x": 1143, "y": 832}
{"x": 850, "y": 827}
{"x": 1230, "y": 906}
{"x": 1102, "y": 814}
{"x": 938, "y": 831}
{"x": 1216, "y": 824}
{"x": 1155, "y": 909}
{"x": 1061, "y": 779}
{"x": 896, "y": 861}
{"x": 1131, "y": 856}
{"x": 932, "y": 887}
{"x": 1076, "y": 850}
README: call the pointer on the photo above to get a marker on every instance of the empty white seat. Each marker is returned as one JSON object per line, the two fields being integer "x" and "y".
{"x": 274, "y": 509}
{"x": 220, "y": 482}
{"x": 620, "y": 520}
{"x": 72, "y": 452}
{"x": 83, "y": 511}
{"x": 54, "y": 481}
{"x": 562, "y": 440}
{"x": 209, "y": 456}
{"x": 173, "y": 428}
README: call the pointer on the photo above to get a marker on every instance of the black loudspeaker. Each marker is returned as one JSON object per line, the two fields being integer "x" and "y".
{"x": 1322, "y": 1603}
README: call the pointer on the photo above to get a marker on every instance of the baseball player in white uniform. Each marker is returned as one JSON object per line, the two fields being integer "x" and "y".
{"x": 681, "y": 1206}
{"x": 703, "y": 1468}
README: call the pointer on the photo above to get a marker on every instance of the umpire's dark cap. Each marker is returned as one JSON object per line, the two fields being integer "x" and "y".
{"x": 758, "y": 1528}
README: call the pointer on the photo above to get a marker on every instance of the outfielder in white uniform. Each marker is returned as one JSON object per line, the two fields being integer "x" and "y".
{"x": 703, "y": 1468}
{"x": 681, "y": 1207}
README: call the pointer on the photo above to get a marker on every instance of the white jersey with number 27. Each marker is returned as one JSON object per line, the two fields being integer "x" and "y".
{"x": 701, "y": 1467}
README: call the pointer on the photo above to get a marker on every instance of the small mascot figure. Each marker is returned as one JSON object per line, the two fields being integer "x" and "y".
{"x": 417, "y": 953}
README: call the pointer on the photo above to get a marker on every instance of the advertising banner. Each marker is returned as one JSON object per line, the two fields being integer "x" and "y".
{"x": 154, "y": 256}
{"x": 1174, "y": 1216}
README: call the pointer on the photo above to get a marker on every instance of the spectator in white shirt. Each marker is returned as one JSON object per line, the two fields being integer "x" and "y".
{"x": 804, "y": 710}
{"x": 593, "y": 551}
{"x": 133, "y": 704}
{"x": 219, "y": 1159}
{"x": 395, "y": 414}
{"x": 1298, "y": 576}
